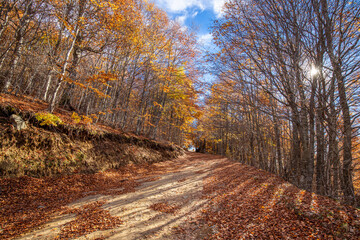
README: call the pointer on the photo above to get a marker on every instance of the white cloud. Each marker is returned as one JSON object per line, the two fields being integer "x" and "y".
{"x": 180, "y": 5}
{"x": 194, "y": 14}
{"x": 218, "y": 7}
{"x": 181, "y": 19}
{"x": 177, "y": 6}
{"x": 205, "y": 39}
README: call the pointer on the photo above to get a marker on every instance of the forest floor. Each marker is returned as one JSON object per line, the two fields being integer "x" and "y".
{"x": 46, "y": 148}
{"x": 197, "y": 196}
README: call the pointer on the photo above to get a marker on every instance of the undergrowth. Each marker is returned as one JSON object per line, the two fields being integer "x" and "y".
{"x": 50, "y": 147}
{"x": 48, "y": 119}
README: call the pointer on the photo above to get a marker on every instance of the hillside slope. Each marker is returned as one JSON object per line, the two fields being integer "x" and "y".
{"x": 46, "y": 150}
{"x": 198, "y": 196}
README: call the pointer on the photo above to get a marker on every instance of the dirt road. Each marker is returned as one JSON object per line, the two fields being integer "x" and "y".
{"x": 160, "y": 201}
{"x": 159, "y": 204}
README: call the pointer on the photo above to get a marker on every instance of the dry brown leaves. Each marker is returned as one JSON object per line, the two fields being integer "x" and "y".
{"x": 29, "y": 104}
{"x": 27, "y": 203}
{"x": 30, "y": 202}
{"x": 182, "y": 179}
{"x": 164, "y": 207}
{"x": 246, "y": 203}
{"x": 89, "y": 218}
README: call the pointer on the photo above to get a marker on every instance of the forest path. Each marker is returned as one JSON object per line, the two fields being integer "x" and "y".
{"x": 157, "y": 205}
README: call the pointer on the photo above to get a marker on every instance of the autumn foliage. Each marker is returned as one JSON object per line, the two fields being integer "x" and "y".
{"x": 247, "y": 203}
{"x": 285, "y": 95}
{"x": 123, "y": 62}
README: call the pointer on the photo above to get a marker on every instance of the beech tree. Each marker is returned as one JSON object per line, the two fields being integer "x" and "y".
{"x": 122, "y": 62}
{"x": 287, "y": 72}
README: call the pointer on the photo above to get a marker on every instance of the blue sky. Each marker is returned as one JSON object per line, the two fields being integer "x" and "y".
{"x": 198, "y": 14}
{"x": 194, "y": 13}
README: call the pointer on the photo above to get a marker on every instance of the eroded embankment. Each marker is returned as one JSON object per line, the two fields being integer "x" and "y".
{"x": 65, "y": 149}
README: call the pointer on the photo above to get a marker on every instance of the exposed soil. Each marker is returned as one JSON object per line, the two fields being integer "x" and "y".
{"x": 159, "y": 204}
{"x": 195, "y": 197}
{"x": 49, "y": 150}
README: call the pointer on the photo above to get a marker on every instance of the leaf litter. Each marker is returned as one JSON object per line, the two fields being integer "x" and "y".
{"x": 27, "y": 203}
{"x": 165, "y": 207}
{"x": 247, "y": 203}
{"x": 242, "y": 203}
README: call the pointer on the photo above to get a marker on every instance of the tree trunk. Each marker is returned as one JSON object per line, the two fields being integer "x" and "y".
{"x": 347, "y": 182}
{"x": 19, "y": 36}
{"x": 66, "y": 63}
